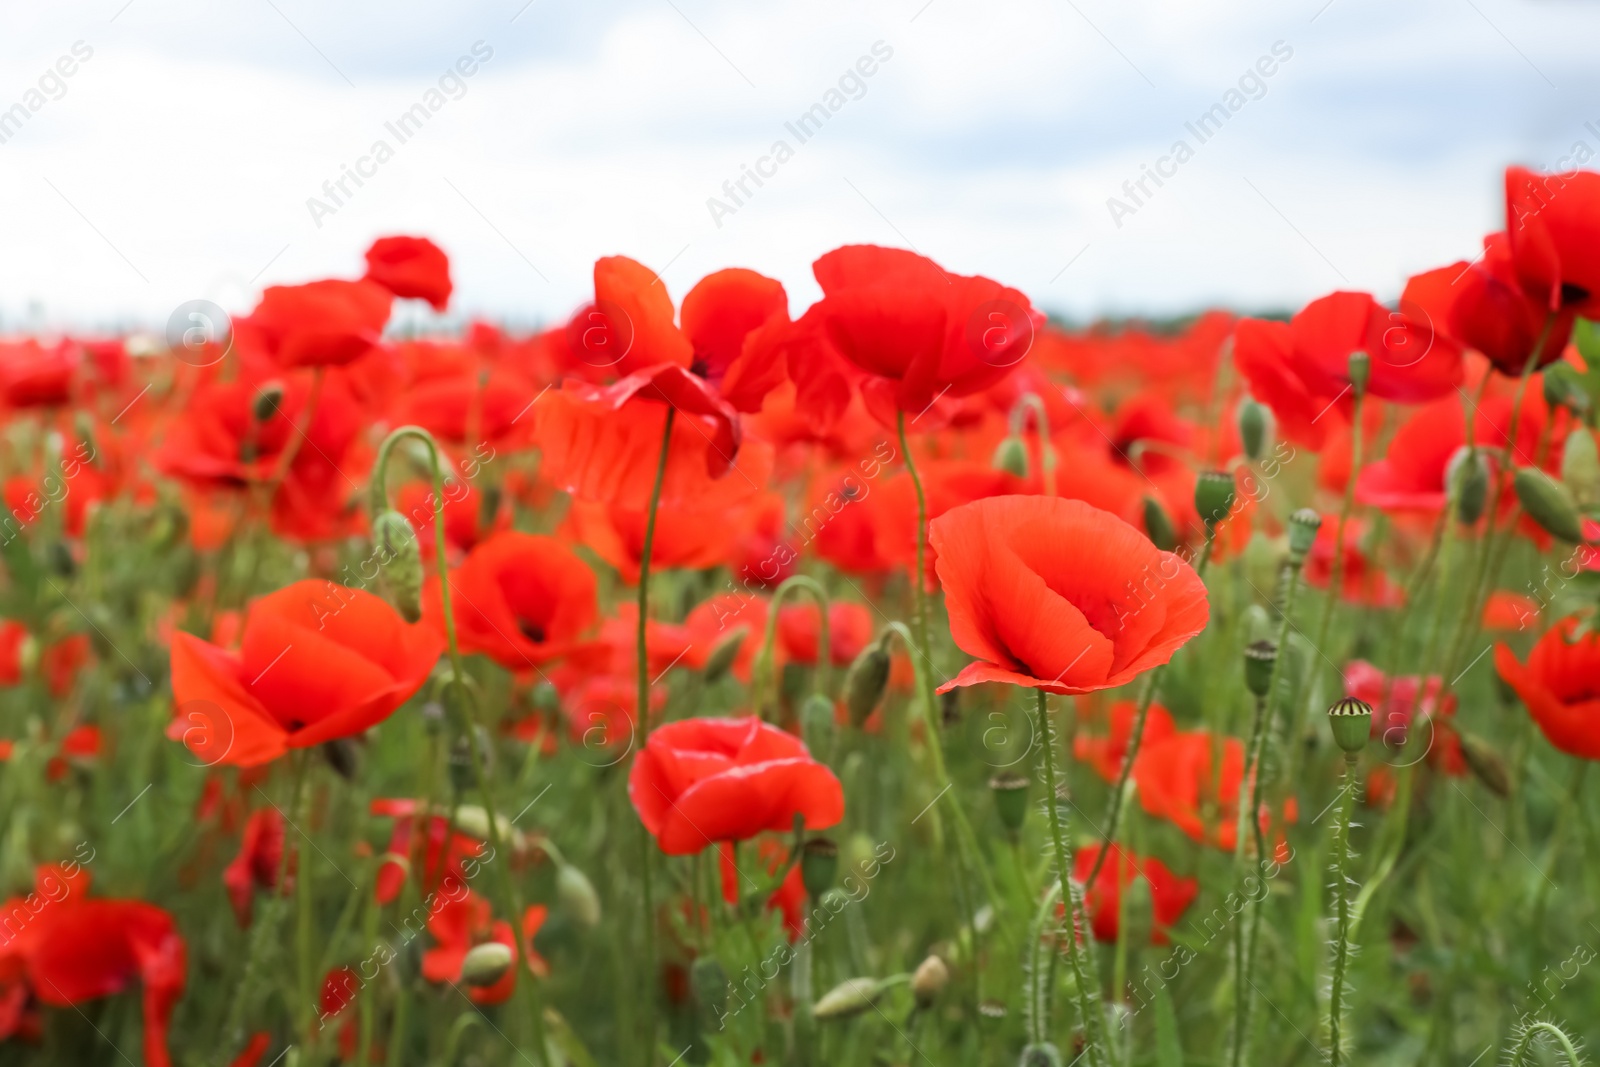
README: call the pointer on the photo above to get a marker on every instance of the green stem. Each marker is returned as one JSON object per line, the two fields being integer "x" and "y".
{"x": 1249, "y": 804}
{"x": 764, "y": 681}
{"x": 1341, "y": 902}
{"x": 303, "y": 906}
{"x": 1114, "y": 809}
{"x": 1336, "y": 575}
{"x": 1519, "y": 1054}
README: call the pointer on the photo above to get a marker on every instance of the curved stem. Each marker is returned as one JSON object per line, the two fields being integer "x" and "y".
{"x": 1047, "y": 453}
{"x": 764, "y": 681}
{"x": 1519, "y": 1054}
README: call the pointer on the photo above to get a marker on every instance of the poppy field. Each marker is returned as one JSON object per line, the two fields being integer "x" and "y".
{"x": 904, "y": 679}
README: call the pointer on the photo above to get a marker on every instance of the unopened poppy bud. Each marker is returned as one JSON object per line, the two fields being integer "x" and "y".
{"x": 1580, "y": 467}
{"x": 817, "y": 722}
{"x": 1255, "y": 422}
{"x": 577, "y": 895}
{"x": 1351, "y": 722}
{"x": 819, "y": 863}
{"x": 486, "y": 964}
{"x": 850, "y": 997}
{"x": 266, "y": 401}
{"x": 546, "y": 698}
{"x": 1549, "y": 504}
{"x": 1158, "y": 526}
{"x": 1563, "y": 389}
{"x": 397, "y": 545}
{"x": 1467, "y": 477}
{"x": 1213, "y": 497}
{"x": 1259, "y": 659}
{"x": 723, "y": 653}
{"x": 1011, "y": 456}
{"x": 1010, "y": 791}
{"x": 929, "y": 980}
{"x": 341, "y": 756}
{"x": 472, "y": 820}
{"x": 1359, "y": 368}
{"x": 1043, "y": 1054}
{"x": 1303, "y": 527}
{"x": 866, "y": 681}
{"x": 1486, "y": 763}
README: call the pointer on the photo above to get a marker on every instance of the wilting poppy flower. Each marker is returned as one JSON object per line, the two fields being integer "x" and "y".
{"x": 1057, "y": 595}
{"x": 317, "y": 662}
{"x": 1180, "y": 780}
{"x": 1553, "y": 229}
{"x": 850, "y": 627}
{"x": 700, "y": 781}
{"x": 520, "y": 599}
{"x": 411, "y": 267}
{"x": 789, "y": 897}
{"x": 1170, "y": 896}
{"x": 320, "y": 323}
{"x": 259, "y": 862}
{"x": 1560, "y": 685}
{"x": 1105, "y": 754}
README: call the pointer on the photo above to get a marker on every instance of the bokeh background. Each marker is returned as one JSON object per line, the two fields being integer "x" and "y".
{"x": 177, "y": 161}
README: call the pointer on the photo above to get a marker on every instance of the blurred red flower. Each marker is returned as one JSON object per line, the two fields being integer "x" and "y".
{"x": 1170, "y": 896}
{"x": 326, "y": 323}
{"x": 411, "y": 267}
{"x": 1560, "y": 685}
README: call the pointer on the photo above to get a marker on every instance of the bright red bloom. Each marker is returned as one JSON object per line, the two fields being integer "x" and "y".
{"x": 411, "y": 267}
{"x": 437, "y": 860}
{"x": 1495, "y": 315}
{"x": 699, "y": 781}
{"x": 1105, "y": 754}
{"x": 258, "y": 863}
{"x": 789, "y": 897}
{"x": 850, "y": 627}
{"x": 520, "y": 599}
{"x": 254, "y": 1050}
{"x": 459, "y": 924}
{"x": 32, "y": 375}
{"x": 1361, "y": 580}
{"x": 1560, "y": 685}
{"x": 720, "y": 317}
{"x": 1553, "y": 228}
{"x": 1170, "y": 896}
{"x": 1509, "y": 611}
{"x": 1397, "y": 702}
{"x": 1179, "y": 780}
{"x": 320, "y": 323}
{"x": 317, "y": 662}
{"x": 717, "y": 619}
{"x": 1057, "y": 595}
{"x": 629, "y": 326}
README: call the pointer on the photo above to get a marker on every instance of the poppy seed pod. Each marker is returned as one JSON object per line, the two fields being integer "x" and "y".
{"x": 1213, "y": 497}
{"x": 1011, "y": 456}
{"x": 1359, "y": 368}
{"x": 850, "y": 997}
{"x": 1303, "y": 527}
{"x": 865, "y": 682}
{"x": 1259, "y": 658}
{"x": 1549, "y": 503}
{"x": 929, "y": 980}
{"x": 1157, "y": 526}
{"x": 265, "y": 403}
{"x": 819, "y": 863}
{"x": 577, "y": 895}
{"x": 1580, "y": 467}
{"x": 723, "y": 655}
{"x": 1468, "y": 477}
{"x": 1255, "y": 423}
{"x": 397, "y": 545}
{"x": 1351, "y": 722}
{"x": 1010, "y": 791}
{"x": 1043, "y": 1054}
{"x": 486, "y": 964}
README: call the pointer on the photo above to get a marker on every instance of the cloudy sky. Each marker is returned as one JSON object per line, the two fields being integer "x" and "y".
{"x": 186, "y": 157}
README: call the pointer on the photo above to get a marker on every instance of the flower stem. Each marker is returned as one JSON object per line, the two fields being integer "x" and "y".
{"x": 1519, "y": 1053}
{"x": 1114, "y": 810}
{"x": 1341, "y": 903}
{"x": 1249, "y": 804}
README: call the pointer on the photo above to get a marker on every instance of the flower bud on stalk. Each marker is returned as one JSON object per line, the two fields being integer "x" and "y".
{"x": 929, "y": 980}
{"x": 1467, "y": 477}
{"x": 486, "y": 964}
{"x": 1303, "y": 527}
{"x": 1580, "y": 467}
{"x": 850, "y": 997}
{"x": 577, "y": 896}
{"x": 267, "y": 400}
{"x": 1158, "y": 526}
{"x": 1351, "y": 722}
{"x": 1213, "y": 497}
{"x": 1562, "y": 388}
{"x": 819, "y": 863}
{"x": 1259, "y": 658}
{"x": 817, "y": 724}
{"x": 866, "y": 680}
{"x": 397, "y": 544}
{"x": 723, "y": 654}
{"x": 1549, "y": 503}
{"x": 1486, "y": 762}
{"x": 1010, "y": 791}
{"x": 1011, "y": 456}
{"x": 1359, "y": 369}
{"x": 1255, "y": 424}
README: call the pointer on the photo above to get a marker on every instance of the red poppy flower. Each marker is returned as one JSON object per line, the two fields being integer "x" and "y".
{"x": 411, "y": 267}
{"x": 459, "y": 924}
{"x": 32, "y": 375}
{"x": 1396, "y": 704}
{"x": 254, "y": 1050}
{"x": 850, "y": 628}
{"x": 437, "y": 860}
{"x": 1412, "y": 358}
{"x": 339, "y": 988}
{"x": 946, "y": 484}
{"x": 258, "y": 863}
{"x": 1362, "y": 581}
{"x": 1180, "y": 780}
{"x": 720, "y": 317}
{"x": 629, "y": 327}
{"x": 464, "y": 522}
{"x": 320, "y": 323}
{"x": 790, "y": 896}
{"x": 1495, "y": 315}
{"x": 717, "y": 619}
{"x": 1170, "y": 896}
{"x": 916, "y": 330}
{"x": 469, "y": 411}
{"x": 1560, "y": 685}
{"x": 520, "y": 599}
{"x": 1105, "y": 754}
{"x": 699, "y": 781}
{"x": 1057, "y": 595}
{"x": 1553, "y": 228}
{"x": 1509, "y": 611}
{"x": 317, "y": 662}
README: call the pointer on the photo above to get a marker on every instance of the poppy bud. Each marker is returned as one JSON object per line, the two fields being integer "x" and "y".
{"x": 710, "y": 985}
{"x": 929, "y": 980}
{"x": 1158, "y": 526}
{"x": 850, "y": 997}
{"x": 472, "y": 820}
{"x": 1259, "y": 658}
{"x": 486, "y": 964}
{"x": 546, "y": 698}
{"x": 1549, "y": 504}
{"x": 1468, "y": 477}
{"x": 1563, "y": 389}
{"x": 723, "y": 653}
{"x": 1255, "y": 422}
{"x": 1351, "y": 722}
{"x": 463, "y": 777}
{"x": 577, "y": 895}
{"x": 1011, "y": 456}
{"x": 1043, "y": 1054}
{"x": 865, "y": 682}
{"x": 1303, "y": 527}
{"x": 397, "y": 545}
{"x": 1580, "y": 466}
{"x": 1010, "y": 792}
{"x": 817, "y": 722}
{"x": 1213, "y": 497}
{"x": 1486, "y": 762}
{"x": 819, "y": 863}
{"x": 1359, "y": 368}
{"x": 341, "y": 756}
{"x": 266, "y": 401}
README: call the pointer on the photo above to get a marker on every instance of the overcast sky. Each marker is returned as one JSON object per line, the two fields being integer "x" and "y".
{"x": 178, "y": 159}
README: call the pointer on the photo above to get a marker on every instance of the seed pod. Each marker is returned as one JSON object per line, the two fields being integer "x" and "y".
{"x": 1359, "y": 368}
{"x": 929, "y": 980}
{"x": 1255, "y": 424}
{"x": 1043, "y": 1054}
{"x": 266, "y": 401}
{"x": 865, "y": 682}
{"x": 1580, "y": 467}
{"x": 1158, "y": 526}
{"x": 1213, "y": 497}
{"x": 1351, "y": 722}
{"x": 819, "y": 863}
{"x": 1010, "y": 792}
{"x": 1259, "y": 659}
{"x": 723, "y": 653}
{"x": 1486, "y": 762}
{"x": 850, "y": 997}
{"x": 397, "y": 546}
{"x": 1011, "y": 456}
{"x": 486, "y": 964}
{"x": 1303, "y": 527}
{"x": 577, "y": 896}
{"x": 1549, "y": 504}
{"x": 1467, "y": 476}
